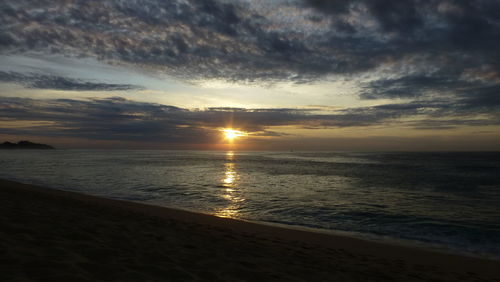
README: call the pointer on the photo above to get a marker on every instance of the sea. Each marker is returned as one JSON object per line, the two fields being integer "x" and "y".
{"x": 448, "y": 201}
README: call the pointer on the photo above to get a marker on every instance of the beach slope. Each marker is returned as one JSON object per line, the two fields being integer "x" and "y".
{"x": 52, "y": 235}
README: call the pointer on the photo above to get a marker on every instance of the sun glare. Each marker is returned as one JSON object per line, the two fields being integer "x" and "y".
{"x": 231, "y": 134}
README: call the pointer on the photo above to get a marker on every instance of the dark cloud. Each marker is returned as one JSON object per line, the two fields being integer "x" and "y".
{"x": 40, "y": 81}
{"x": 227, "y": 39}
{"x": 485, "y": 96}
{"x": 437, "y": 48}
{"x": 398, "y": 16}
{"x": 121, "y": 119}
{"x": 412, "y": 86}
{"x": 125, "y": 120}
{"x": 432, "y": 124}
{"x": 101, "y": 119}
{"x": 462, "y": 95}
{"x": 335, "y": 7}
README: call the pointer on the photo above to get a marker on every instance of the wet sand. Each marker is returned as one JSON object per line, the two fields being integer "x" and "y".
{"x": 52, "y": 235}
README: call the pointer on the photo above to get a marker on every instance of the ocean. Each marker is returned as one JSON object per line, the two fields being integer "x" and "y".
{"x": 443, "y": 200}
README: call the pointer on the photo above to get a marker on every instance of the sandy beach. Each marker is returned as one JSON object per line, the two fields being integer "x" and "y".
{"x": 52, "y": 235}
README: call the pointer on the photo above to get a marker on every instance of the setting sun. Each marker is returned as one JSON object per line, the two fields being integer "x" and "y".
{"x": 230, "y": 134}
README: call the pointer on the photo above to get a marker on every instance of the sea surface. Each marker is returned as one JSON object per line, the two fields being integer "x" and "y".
{"x": 449, "y": 201}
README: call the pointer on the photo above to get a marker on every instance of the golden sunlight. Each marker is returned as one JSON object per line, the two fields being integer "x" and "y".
{"x": 230, "y": 134}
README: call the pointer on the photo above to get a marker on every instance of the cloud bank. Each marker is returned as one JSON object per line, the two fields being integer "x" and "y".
{"x": 40, "y": 81}
{"x": 243, "y": 40}
{"x": 120, "y": 119}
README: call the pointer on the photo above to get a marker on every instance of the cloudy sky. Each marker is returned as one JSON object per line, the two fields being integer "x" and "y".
{"x": 293, "y": 74}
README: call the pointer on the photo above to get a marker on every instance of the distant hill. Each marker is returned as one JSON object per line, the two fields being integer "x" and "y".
{"x": 24, "y": 145}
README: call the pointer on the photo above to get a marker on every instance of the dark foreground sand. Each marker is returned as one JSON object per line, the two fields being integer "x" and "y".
{"x": 51, "y": 235}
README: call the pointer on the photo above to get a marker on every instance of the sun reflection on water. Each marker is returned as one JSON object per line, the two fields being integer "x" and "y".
{"x": 229, "y": 186}
{"x": 229, "y": 175}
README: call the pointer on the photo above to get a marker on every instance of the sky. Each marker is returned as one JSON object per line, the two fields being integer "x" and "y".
{"x": 367, "y": 75}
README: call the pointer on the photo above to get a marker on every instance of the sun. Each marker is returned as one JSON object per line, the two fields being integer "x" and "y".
{"x": 231, "y": 134}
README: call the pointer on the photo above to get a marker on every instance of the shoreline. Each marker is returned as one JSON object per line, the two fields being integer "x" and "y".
{"x": 384, "y": 240}
{"x": 249, "y": 245}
